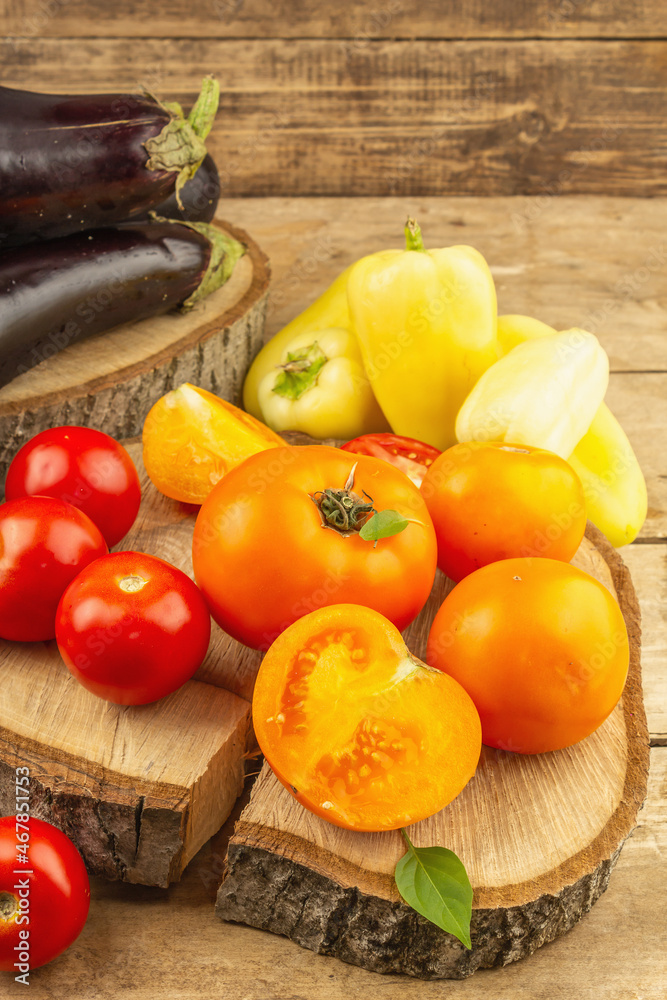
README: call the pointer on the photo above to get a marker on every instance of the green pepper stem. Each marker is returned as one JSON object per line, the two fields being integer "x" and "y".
{"x": 301, "y": 371}
{"x": 413, "y": 236}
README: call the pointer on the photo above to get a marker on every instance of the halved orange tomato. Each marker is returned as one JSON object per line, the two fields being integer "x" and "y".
{"x": 359, "y": 730}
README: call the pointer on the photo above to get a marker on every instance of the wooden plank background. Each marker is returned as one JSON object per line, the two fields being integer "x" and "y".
{"x": 536, "y": 97}
{"x": 361, "y": 20}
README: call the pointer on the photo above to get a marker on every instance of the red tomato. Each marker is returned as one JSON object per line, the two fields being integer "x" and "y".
{"x": 541, "y": 648}
{"x": 84, "y": 467}
{"x": 412, "y": 457}
{"x": 264, "y": 554}
{"x": 132, "y": 628}
{"x": 44, "y": 543}
{"x": 490, "y": 500}
{"x": 44, "y": 902}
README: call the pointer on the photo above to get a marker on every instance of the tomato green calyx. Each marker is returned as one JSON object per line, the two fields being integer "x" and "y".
{"x": 344, "y": 510}
{"x": 132, "y": 584}
{"x": 300, "y": 372}
{"x": 348, "y": 513}
{"x": 8, "y": 905}
{"x": 413, "y": 236}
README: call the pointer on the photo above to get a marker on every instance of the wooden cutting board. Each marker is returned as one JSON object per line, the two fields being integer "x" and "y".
{"x": 539, "y": 836}
{"x": 110, "y": 381}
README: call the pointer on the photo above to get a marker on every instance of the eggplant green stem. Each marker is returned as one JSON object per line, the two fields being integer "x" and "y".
{"x": 205, "y": 108}
{"x": 413, "y": 236}
{"x": 225, "y": 252}
{"x": 179, "y": 147}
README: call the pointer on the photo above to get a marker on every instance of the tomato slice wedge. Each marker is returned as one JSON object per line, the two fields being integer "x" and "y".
{"x": 359, "y": 730}
{"x": 412, "y": 457}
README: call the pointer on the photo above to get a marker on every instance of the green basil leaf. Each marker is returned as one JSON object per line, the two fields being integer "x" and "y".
{"x": 383, "y": 524}
{"x": 433, "y": 881}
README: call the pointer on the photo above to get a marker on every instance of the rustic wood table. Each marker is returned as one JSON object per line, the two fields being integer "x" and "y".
{"x": 594, "y": 262}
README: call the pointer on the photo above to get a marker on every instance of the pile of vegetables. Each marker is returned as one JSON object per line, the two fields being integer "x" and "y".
{"x": 319, "y": 555}
{"x": 105, "y": 210}
{"x": 444, "y": 368}
{"x": 501, "y": 448}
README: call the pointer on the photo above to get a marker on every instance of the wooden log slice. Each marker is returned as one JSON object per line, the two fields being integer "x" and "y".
{"x": 110, "y": 381}
{"x": 539, "y": 836}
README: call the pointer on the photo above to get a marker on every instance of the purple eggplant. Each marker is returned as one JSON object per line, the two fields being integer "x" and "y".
{"x": 73, "y": 163}
{"x": 199, "y": 197}
{"x": 56, "y": 292}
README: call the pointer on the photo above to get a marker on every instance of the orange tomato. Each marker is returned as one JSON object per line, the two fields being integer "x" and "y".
{"x": 490, "y": 500}
{"x": 358, "y": 729}
{"x": 193, "y": 438}
{"x": 541, "y": 648}
{"x": 263, "y": 556}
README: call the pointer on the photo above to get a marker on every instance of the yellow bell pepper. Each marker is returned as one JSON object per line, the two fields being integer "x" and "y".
{"x": 513, "y": 330}
{"x": 426, "y": 324}
{"x": 329, "y": 310}
{"x": 544, "y": 393}
{"x": 320, "y": 388}
{"x": 614, "y": 486}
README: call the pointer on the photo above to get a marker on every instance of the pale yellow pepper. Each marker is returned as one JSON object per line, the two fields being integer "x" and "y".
{"x": 329, "y": 310}
{"x": 614, "y": 486}
{"x": 544, "y": 393}
{"x": 320, "y": 388}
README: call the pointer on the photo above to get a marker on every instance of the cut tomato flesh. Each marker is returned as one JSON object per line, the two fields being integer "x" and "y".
{"x": 412, "y": 457}
{"x": 361, "y": 732}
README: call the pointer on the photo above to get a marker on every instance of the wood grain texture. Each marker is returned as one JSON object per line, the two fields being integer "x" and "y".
{"x": 648, "y": 566}
{"x": 110, "y": 381}
{"x": 127, "y": 822}
{"x": 360, "y": 22}
{"x": 319, "y": 117}
{"x": 538, "y": 835}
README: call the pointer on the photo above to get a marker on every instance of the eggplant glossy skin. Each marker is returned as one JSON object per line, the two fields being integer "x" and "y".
{"x": 72, "y": 163}
{"x": 59, "y": 291}
{"x": 200, "y": 196}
